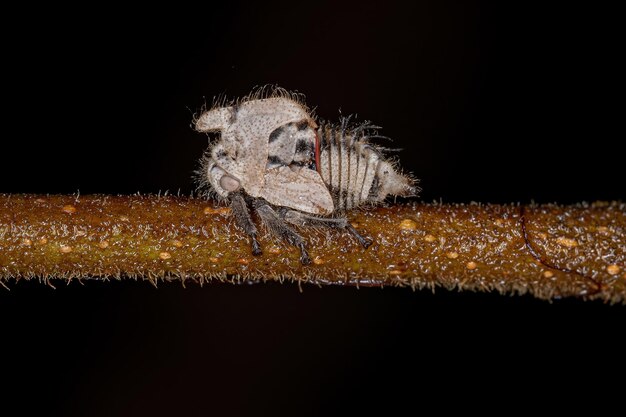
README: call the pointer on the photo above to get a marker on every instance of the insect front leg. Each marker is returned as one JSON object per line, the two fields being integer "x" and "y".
{"x": 279, "y": 228}
{"x": 303, "y": 219}
{"x": 243, "y": 219}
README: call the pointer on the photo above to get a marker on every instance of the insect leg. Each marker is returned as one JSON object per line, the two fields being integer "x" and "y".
{"x": 303, "y": 219}
{"x": 278, "y": 227}
{"x": 364, "y": 241}
{"x": 243, "y": 219}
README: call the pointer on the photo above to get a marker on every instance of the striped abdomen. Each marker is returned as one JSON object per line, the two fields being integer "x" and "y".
{"x": 354, "y": 170}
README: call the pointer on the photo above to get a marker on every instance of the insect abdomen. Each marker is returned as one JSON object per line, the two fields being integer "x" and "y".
{"x": 349, "y": 166}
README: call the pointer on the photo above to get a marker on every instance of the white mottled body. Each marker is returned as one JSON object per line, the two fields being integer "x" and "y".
{"x": 271, "y": 150}
{"x": 268, "y": 147}
{"x": 244, "y": 149}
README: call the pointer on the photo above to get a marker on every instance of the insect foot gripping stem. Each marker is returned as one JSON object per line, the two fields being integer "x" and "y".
{"x": 274, "y": 158}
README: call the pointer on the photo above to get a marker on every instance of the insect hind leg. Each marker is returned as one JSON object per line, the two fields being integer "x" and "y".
{"x": 364, "y": 241}
{"x": 243, "y": 219}
{"x": 278, "y": 227}
{"x": 303, "y": 219}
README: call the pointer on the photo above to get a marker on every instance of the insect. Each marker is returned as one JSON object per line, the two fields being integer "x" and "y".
{"x": 273, "y": 157}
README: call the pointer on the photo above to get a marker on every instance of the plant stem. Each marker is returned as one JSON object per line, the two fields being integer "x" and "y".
{"x": 549, "y": 251}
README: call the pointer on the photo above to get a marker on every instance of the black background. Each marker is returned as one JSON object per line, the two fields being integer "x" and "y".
{"x": 491, "y": 104}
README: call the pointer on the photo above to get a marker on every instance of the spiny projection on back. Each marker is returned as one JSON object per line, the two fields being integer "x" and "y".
{"x": 273, "y": 157}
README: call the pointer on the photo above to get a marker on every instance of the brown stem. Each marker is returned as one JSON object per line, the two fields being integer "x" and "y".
{"x": 549, "y": 251}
